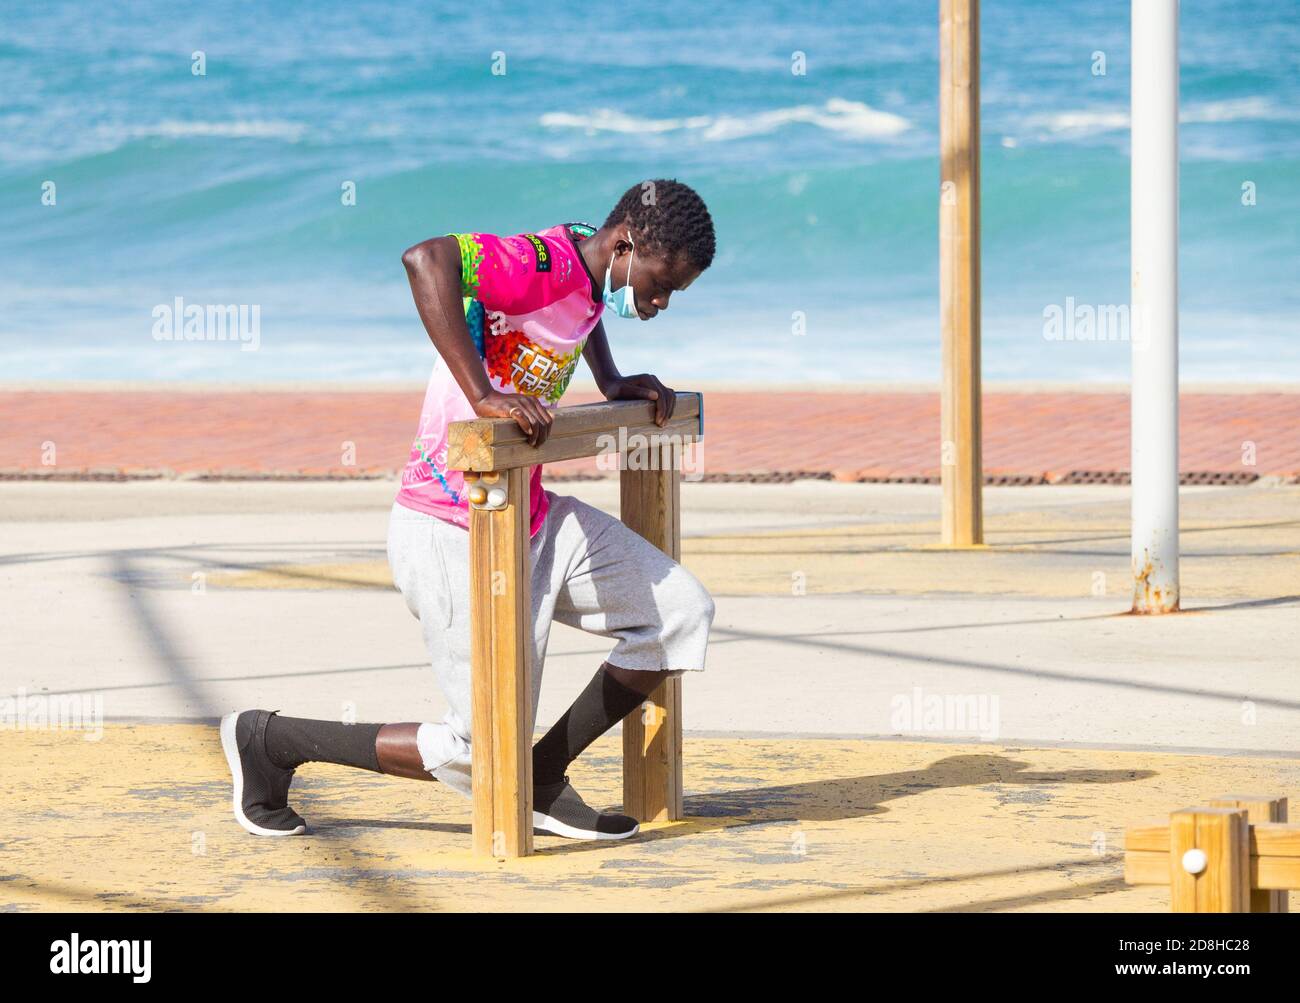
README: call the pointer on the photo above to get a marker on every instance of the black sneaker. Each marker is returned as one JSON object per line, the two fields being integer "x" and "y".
{"x": 560, "y": 810}
{"x": 261, "y": 799}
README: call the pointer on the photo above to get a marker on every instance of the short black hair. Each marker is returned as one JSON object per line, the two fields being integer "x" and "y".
{"x": 668, "y": 218}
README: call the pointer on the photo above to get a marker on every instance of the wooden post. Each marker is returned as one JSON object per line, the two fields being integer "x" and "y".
{"x": 501, "y": 663}
{"x": 649, "y": 504}
{"x": 1220, "y": 880}
{"x": 1259, "y": 809}
{"x": 961, "y": 464}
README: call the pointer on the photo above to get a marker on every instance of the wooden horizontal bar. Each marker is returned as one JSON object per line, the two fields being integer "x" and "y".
{"x": 1272, "y": 839}
{"x": 1275, "y": 839}
{"x": 1152, "y": 836}
{"x": 1267, "y": 873}
{"x": 482, "y": 457}
{"x": 1276, "y": 874}
{"x": 1146, "y": 867}
{"x": 484, "y": 444}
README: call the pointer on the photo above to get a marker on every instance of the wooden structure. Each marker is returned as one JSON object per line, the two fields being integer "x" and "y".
{"x": 497, "y": 459}
{"x": 961, "y": 463}
{"x": 1237, "y": 854}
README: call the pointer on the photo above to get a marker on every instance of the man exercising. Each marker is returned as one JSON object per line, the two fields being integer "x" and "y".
{"x": 510, "y": 318}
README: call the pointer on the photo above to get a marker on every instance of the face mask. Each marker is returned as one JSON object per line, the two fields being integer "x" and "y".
{"x": 622, "y": 302}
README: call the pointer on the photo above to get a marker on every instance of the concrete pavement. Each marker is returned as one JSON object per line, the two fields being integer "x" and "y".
{"x": 834, "y": 606}
{"x": 864, "y": 689}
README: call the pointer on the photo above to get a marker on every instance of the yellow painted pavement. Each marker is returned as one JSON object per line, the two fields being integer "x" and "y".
{"x": 141, "y": 820}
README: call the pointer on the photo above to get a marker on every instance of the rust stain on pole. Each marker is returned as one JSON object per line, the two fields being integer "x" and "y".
{"x": 1149, "y": 598}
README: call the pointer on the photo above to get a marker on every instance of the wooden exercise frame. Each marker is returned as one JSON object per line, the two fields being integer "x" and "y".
{"x": 497, "y": 461}
{"x": 1236, "y": 854}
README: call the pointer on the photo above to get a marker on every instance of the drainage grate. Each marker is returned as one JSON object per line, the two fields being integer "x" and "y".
{"x": 990, "y": 480}
{"x": 80, "y": 475}
{"x": 1218, "y": 477}
{"x": 1222, "y": 478}
{"x": 579, "y": 475}
{"x": 768, "y": 477}
{"x": 1095, "y": 477}
{"x": 288, "y": 475}
{"x": 751, "y": 477}
{"x": 1214, "y": 477}
{"x": 1014, "y": 480}
{"x": 886, "y": 479}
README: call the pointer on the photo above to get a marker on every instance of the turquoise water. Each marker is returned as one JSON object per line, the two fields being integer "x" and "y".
{"x": 225, "y": 188}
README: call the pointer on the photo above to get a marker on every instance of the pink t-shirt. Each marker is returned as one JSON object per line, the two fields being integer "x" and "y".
{"x": 529, "y": 307}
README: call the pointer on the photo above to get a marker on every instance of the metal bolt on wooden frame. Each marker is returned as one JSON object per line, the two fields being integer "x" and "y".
{"x": 497, "y": 459}
{"x": 1236, "y": 854}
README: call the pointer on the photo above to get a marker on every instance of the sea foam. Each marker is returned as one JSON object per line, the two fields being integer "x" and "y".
{"x": 852, "y": 119}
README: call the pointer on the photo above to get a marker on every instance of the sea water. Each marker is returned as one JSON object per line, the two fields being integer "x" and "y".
{"x": 281, "y": 157}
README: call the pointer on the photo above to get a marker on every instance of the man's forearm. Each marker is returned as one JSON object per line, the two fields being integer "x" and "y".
{"x": 599, "y": 359}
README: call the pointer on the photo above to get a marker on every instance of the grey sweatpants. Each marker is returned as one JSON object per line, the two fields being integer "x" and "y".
{"x": 588, "y": 571}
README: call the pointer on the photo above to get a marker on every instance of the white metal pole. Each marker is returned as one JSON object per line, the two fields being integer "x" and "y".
{"x": 1153, "y": 314}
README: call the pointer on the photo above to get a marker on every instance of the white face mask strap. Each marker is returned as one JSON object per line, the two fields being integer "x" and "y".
{"x": 628, "y": 280}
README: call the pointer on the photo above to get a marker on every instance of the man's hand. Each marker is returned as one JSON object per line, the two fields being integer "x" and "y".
{"x": 643, "y": 386}
{"x": 529, "y": 413}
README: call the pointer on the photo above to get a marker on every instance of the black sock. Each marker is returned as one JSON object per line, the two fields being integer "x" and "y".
{"x": 599, "y": 707}
{"x": 292, "y": 741}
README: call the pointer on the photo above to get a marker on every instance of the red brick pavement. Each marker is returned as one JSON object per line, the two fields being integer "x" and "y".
{"x": 851, "y": 435}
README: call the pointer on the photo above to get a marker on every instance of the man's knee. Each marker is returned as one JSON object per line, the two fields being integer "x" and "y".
{"x": 694, "y": 597}
{"x": 688, "y": 607}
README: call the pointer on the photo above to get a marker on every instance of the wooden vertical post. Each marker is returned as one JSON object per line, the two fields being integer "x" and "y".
{"x": 501, "y": 663}
{"x": 1259, "y": 809}
{"x": 649, "y": 504}
{"x": 961, "y": 463}
{"x": 1222, "y": 884}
